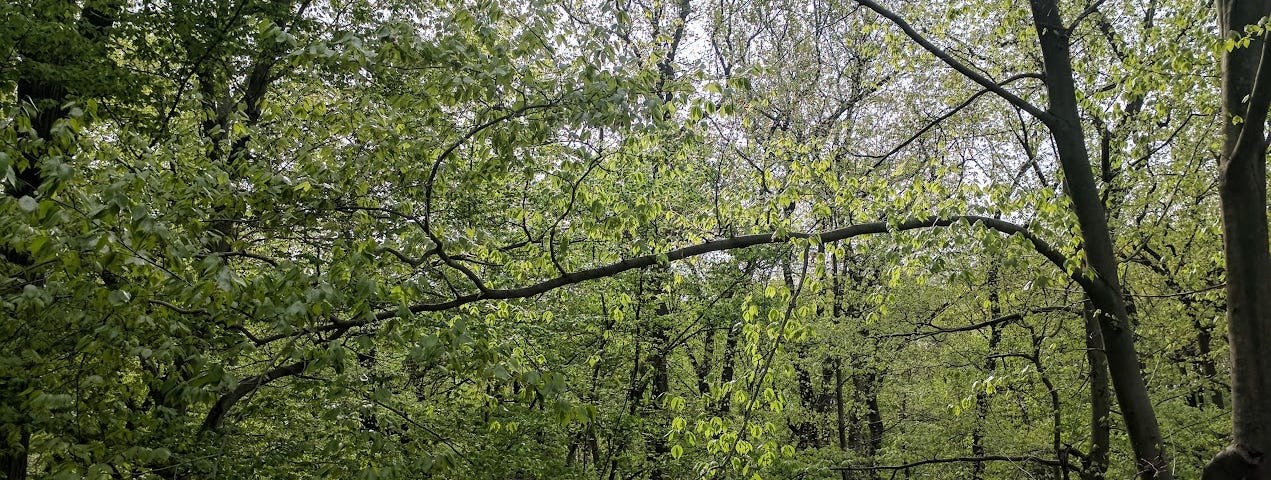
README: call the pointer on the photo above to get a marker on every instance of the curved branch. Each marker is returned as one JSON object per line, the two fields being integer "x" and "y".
{"x": 1041, "y": 246}
{"x": 223, "y": 405}
{"x": 1095, "y": 287}
{"x": 936, "y": 121}
{"x": 967, "y": 328}
{"x": 227, "y": 401}
{"x": 944, "y": 56}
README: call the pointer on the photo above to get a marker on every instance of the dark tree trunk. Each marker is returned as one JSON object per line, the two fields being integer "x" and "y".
{"x": 13, "y": 459}
{"x": 982, "y": 398}
{"x": 840, "y": 413}
{"x": 1096, "y": 464}
{"x": 990, "y": 365}
{"x": 1242, "y": 180}
{"x": 727, "y": 367}
{"x": 1064, "y": 121}
{"x": 1208, "y": 370}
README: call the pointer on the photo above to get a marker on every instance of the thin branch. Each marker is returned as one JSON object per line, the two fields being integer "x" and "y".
{"x": 1090, "y": 10}
{"x": 933, "y": 461}
{"x": 944, "y": 56}
{"x": 1183, "y": 294}
{"x": 1094, "y": 285}
{"x": 445, "y": 441}
{"x": 996, "y": 321}
{"x": 938, "y": 120}
{"x": 270, "y": 261}
{"x": 180, "y": 310}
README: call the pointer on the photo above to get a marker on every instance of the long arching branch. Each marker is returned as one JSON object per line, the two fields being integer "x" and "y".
{"x": 1092, "y": 285}
{"x": 948, "y": 59}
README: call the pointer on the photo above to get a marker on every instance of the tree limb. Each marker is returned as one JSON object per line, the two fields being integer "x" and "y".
{"x": 933, "y": 461}
{"x": 1041, "y": 246}
{"x": 944, "y": 56}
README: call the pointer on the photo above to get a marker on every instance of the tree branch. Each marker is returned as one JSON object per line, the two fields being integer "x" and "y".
{"x": 933, "y": 461}
{"x": 1094, "y": 286}
{"x": 1041, "y": 246}
{"x": 967, "y": 328}
{"x": 953, "y": 111}
{"x": 223, "y": 405}
{"x": 944, "y": 56}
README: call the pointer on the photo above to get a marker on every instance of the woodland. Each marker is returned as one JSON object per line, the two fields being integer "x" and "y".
{"x": 634, "y": 239}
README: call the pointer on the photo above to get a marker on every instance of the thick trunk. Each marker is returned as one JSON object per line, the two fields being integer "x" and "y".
{"x": 1242, "y": 190}
{"x": 1065, "y": 125}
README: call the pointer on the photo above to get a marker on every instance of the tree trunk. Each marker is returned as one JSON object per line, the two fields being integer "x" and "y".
{"x": 1064, "y": 122}
{"x": 982, "y": 398}
{"x": 13, "y": 458}
{"x": 1242, "y": 190}
{"x": 841, "y": 414}
{"x": 990, "y": 365}
{"x": 1096, "y": 464}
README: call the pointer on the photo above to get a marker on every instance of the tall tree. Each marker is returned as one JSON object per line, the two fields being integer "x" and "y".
{"x": 1065, "y": 124}
{"x": 1242, "y": 177}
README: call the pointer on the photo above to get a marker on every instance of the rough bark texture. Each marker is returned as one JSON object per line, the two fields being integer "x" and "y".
{"x": 1242, "y": 190}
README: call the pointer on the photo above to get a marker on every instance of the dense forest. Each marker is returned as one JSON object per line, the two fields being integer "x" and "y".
{"x": 634, "y": 239}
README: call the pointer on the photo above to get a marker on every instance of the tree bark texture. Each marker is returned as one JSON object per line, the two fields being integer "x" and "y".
{"x": 1242, "y": 191}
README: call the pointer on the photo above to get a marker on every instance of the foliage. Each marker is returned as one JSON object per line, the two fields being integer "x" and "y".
{"x": 466, "y": 239}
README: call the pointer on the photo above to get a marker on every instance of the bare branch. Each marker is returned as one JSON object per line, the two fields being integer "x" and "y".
{"x": 938, "y": 120}
{"x": 967, "y": 328}
{"x": 944, "y": 56}
{"x": 1094, "y": 285}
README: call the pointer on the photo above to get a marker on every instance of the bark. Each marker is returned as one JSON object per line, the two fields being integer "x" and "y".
{"x": 990, "y": 365}
{"x": 1204, "y": 352}
{"x": 982, "y": 398}
{"x": 840, "y": 414}
{"x": 805, "y": 431}
{"x": 837, "y": 270}
{"x": 1242, "y": 191}
{"x": 223, "y": 405}
{"x": 727, "y": 368}
{"x": 1096, "y": 461}
{"x": 1064, "y": 122}
{"x": 13, "y": 459}
{"x": 705, "y": 366}
{"x": 869, "y": 383}
{"x": 659, "y": 447}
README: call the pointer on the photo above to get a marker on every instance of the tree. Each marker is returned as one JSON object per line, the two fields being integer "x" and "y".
{"x": 1242, "y": 179}
{"x": 600, "y": 239}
